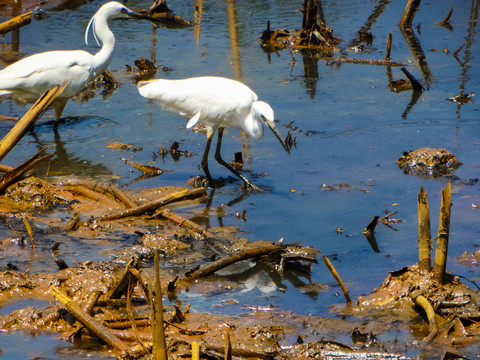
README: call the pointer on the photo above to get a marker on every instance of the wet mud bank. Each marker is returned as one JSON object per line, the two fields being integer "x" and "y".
{"x": 112, "y": 303}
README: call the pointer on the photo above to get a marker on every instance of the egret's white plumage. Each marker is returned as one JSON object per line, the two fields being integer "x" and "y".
{"x": 30, "y": 77}
{"x": 216, "y": 103}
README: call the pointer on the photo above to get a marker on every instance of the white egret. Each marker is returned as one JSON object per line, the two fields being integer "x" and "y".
{"x": 30, "y": 77}
{"x": 216, "y": 103}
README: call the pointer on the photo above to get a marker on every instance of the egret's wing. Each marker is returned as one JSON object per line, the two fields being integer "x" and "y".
{"x": 213, "y": 97}
{"x": 40, "y": 72}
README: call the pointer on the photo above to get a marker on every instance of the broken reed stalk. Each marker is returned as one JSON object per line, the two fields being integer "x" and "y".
{"x": 16, "y": 23}
{"x": 421, "y": 301}
{"x": 228, "y": 347}
{"x": 389, "y": 46}
{"x": 190, "y": 226}
{"x": 159, "y": 344}
{"x": 29, "y": 230}
{"x": 166, "y": 199}
{"x": 195, "y": 351}
{"x": 10, "y": 177}
{"x": 91, "y": 301}
{"x": 89, "y": 322}
{"x": 100, "y": 188}
{"x": 131, "y": 287}
{"x": 441, "y": 250}
{"x": 92, "y": 195}
{"x": 28, "y": 120}
{"x": 337, "y": 277}
{"x": 424, "y": 235}
{"x": 409, "y": 13}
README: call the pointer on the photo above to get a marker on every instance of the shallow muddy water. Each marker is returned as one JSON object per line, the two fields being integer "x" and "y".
{"x": 350, "y": 129}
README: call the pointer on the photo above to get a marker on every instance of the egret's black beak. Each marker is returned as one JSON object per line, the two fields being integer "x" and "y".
{"x": 271, "y": 126}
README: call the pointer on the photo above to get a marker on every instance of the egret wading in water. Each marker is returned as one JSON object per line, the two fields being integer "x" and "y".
{"x": 30, "y": 77}
{"x": 216, "y": 103}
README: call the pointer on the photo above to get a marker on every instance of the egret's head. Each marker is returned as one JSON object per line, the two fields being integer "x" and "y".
{"x": 110, "y": 11}
{"x": 114, "y": 10}
{"x": 264, "y": 112}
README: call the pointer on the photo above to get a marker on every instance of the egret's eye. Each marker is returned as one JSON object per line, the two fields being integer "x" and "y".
{"x": 124, "y": 11}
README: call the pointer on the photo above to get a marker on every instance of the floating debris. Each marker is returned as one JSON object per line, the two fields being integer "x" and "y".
{"x": 428, "y": 162}
{"x": 462, "y": 98}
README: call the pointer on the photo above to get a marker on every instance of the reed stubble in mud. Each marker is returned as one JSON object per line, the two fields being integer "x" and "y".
{"x": 424, "y": 236}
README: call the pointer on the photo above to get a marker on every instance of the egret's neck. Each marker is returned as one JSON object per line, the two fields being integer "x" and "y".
{"x": 105, "y": 36}
{"x": 253, "y": 127}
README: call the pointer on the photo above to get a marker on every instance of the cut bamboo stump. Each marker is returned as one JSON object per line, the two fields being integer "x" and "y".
{"x": 440, "y": 261}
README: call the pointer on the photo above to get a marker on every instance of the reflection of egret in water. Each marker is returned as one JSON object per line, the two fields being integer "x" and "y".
{"x": 28, "y": 78}
{"x": 263, "y": 277}
{"x": 65, "y": 162}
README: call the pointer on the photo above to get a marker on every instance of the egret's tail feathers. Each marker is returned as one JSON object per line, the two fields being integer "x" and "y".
{"x": 145, "y": 90}
{"x": 5, "y": 92}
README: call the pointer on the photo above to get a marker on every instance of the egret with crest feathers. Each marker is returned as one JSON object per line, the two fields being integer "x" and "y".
{"x": 216, "y": 103}
{"x": 30, "y": 77}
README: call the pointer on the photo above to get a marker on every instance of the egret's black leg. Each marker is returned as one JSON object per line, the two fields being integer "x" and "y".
{"x": 59, "y": 105}
{"x": 205, "y": 158}
{"x": 218, "y": 157}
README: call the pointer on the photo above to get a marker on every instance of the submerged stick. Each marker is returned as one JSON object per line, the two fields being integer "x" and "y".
{"x": 337, "y": 277}
{"x": 441, "y": 251}
{"x": 89, "y": 322}
{"x": 424, "y": 236}
{"x": 27, "y": 121}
